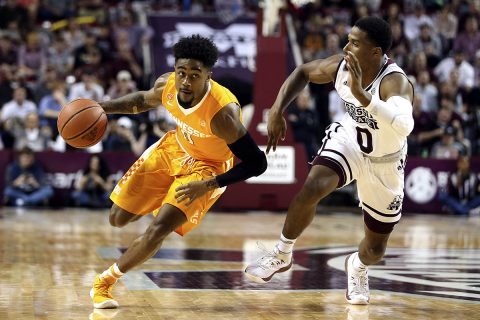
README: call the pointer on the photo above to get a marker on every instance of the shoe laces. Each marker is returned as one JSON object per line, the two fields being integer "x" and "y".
{"x": 104, "y": 288}
{"x": 360, "y": 282}
{"x": 270, "y": 258}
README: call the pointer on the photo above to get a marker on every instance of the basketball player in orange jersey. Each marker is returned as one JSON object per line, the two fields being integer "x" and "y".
{"x": 368, "y": 145}
{"x": 184, "y": 173}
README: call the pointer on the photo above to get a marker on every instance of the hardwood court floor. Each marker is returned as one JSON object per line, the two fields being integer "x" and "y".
{"x": 48, "y": 260}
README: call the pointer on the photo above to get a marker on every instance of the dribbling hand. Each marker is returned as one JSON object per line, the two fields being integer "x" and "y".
{"x": 276, "y": 128}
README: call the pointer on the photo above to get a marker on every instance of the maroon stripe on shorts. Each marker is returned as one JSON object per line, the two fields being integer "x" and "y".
{"x": 377, "y": 226}
{"x": 332, "y": 164}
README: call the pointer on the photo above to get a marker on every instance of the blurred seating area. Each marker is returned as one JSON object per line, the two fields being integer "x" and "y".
{"x": 436, "y": 42}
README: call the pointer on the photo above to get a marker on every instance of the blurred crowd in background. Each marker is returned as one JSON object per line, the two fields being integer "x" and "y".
{"x": 437, "y": 43}
{"x": 53, "y": 51}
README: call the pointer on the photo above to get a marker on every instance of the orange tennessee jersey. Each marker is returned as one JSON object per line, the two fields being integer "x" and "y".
{"x": 193, "y": 125}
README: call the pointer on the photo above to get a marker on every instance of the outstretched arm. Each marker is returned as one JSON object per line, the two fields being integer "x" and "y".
{"x": 317, "y": 71}
{"x": 137, "y": 102}
{"x": 226, "y": 124}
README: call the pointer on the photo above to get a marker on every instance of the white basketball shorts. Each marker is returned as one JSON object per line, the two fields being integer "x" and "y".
{"x": 380, "y": 181}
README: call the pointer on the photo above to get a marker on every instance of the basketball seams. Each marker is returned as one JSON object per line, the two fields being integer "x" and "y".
{"x": 73, "y": 116}
{"x": 81, "y": 124}
{"x": 87, "y": 129}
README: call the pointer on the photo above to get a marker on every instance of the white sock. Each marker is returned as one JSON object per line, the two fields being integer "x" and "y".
{"x": 357, "y": 264}
{"x": 285, "y": 245}
{"x": 112, "y": 271}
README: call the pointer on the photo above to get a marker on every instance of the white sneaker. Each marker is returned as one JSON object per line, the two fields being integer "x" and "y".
{"x": 266, "y": 266}
{"x": 357, "y": 291}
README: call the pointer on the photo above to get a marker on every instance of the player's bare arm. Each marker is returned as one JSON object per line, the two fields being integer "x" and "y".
{"x": 226, "y": 124}
{"x": 317, "y": 71}
{"x": 138, "y": 102}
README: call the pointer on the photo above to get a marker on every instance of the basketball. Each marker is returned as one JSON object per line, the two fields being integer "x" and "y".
{"x": 82, "y": 123}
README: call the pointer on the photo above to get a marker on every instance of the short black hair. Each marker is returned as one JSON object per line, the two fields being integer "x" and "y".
{"x": 198, "y": 48}
{"x": 377, "y": 30}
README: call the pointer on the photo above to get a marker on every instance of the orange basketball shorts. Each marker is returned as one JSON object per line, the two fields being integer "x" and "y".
{"x": 151, "y": 181}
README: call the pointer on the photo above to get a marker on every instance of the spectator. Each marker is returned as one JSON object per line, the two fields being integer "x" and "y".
{"x": 124, "y": 59}
{"x": 413, "y": 22}
{"x": 446, "y": 23}
{"x": 19, "y": 107}
{"x": 51, "y": 104}
{"x": 425, "y": 132}
{"x": 136, "y": 34}
{"x": 468, "y": 41}
{"x": 428, "y": 42}
{"x": 82, "y": 53}
{"x": 94, "y": 187}
{"x": 428, "y": 91}
{"x": 87, "y": 88}
{"x": 8, "y": 53}
{"x": 448, "y": 147}
{"x": 32, "y": 135}
{"x": 122, "y": 86}
{"x": 466, "y": 72}
{"x": 302, "y": 118}
{"x": 400, "y": 45}
{"x": 463, "y": 190}
{"x": 32, "y": 56}
{"x": 25, "y": 182}
{"x": 60, "y": 55}
{"x": 121, "y": 137}
{"x": 332, "y": 47}
{"x": 44, "y": 85}
{"x": 11, "y": 12}
{"x": 73, "y": 34}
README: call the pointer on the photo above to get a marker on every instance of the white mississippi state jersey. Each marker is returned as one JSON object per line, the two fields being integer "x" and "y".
{"x": 373, "y": 138}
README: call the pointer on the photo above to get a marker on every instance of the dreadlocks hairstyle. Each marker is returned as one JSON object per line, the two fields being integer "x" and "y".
{"x": 377, "y": 30}
{"x": 198, "y": 48}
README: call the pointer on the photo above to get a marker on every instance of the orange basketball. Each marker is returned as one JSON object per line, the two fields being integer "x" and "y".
{"x": 82, "y": 123}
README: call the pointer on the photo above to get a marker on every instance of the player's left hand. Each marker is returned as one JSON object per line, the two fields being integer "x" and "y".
{"x": 191, "y": 191}
{"x": 355, "y": 73}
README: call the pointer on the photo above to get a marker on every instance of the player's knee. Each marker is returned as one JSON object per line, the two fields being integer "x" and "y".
{"x": 315, "y": 190}
{"x": 119, "y": 217}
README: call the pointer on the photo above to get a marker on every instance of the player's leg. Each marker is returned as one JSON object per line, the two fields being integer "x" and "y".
{"x": 380, "y": 190}
{"x": 320, "y": 182}
{"x": 120, "y": 217}
{"x": 145, "y": 246}
{"x": 140, "y": 250}
{"x": 334, "y": 167}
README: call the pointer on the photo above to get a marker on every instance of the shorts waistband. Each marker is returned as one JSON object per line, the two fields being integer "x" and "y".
{"x": 388, "y": 158}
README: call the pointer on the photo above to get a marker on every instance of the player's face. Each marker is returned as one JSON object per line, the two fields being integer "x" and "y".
{"x": 191, "y": 79}
{"x": 361, "y": 47}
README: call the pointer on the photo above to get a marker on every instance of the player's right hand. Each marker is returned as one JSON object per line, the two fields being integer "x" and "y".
{"x": 276, "y": 128}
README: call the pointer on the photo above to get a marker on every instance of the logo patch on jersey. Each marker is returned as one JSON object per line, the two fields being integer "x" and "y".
{"x": 360, "y": 115}
{"x": 396, "y": 203}
{"x": 203, "y": 123}
{"x": 170, "y": 97}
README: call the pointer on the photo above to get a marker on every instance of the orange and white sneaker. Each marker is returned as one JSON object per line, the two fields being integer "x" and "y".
{"x": 101, "y": 293}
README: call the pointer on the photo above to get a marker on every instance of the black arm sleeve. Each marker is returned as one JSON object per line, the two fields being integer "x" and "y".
{"x": 254, "y": 162}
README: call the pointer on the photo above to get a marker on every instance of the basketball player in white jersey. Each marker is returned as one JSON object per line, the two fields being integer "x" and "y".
{"x": 368, "y": 145}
